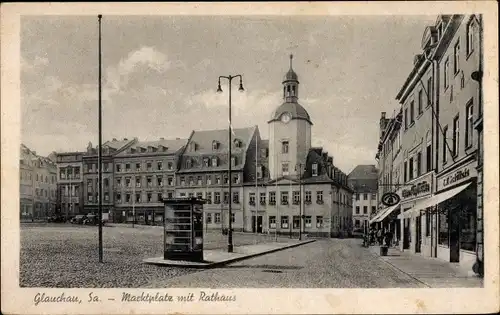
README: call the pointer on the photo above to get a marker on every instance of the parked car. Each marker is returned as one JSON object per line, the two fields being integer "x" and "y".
{"x": 56, "y": 219}
{"x": 79, "y": 219}
{"x": 92, "y": 219}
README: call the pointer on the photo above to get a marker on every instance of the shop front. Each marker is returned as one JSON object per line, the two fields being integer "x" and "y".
{"x": 448, "y": 217}
{"x": 457, "y": 215}
{"x": 416, "y": 221}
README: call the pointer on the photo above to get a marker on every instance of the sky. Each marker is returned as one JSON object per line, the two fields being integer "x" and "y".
{"x": 159, "y": 76}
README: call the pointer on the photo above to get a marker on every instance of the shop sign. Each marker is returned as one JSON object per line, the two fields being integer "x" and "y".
{"x": 456, "y": 177}
{"x": 421, "y": 188}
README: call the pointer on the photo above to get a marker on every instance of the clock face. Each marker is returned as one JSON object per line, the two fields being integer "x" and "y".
{"x": 286, "y": 117}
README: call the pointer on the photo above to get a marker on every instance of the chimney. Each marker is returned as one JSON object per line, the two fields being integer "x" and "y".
{"x": 383, "y": 115}
{"x": 125, "y": 139}
{"x": 114, "y": 140}
{"x": 162, "y": 138}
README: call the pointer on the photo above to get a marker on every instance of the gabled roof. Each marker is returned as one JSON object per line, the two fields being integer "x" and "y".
{"x": 204, "y": 140}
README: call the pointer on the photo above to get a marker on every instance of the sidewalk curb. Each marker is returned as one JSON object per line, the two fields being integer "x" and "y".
{"x": 218, "y": 264}
{"x": 232, "y": 260}
{"x": 397, "y": 268}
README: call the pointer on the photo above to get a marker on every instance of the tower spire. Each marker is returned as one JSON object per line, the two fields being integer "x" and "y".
{"x": 291, "y": 58}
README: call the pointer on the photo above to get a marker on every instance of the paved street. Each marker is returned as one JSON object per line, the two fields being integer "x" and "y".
{"x": 329, "y": 263}
{"x": 62, "y": 255}
{"x": 65, "y": 255}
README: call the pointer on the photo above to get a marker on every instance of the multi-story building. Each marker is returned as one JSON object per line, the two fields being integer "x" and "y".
{"x": 440, "y": 102}
{"x": 143, "y": 173}
{"x": 363, "y": 180}
{"x": 26, "y": 183}
{"x": 204, "y": 168}
{"x": 456, "y": 173}
{"x": 69, "y": 183}
{"x": 37, "y": 185}
{"x": 279, "y": 185}
{"x": 90, "y": 175}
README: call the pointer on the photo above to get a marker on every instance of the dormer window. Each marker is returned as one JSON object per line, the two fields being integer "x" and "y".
{"x": 215, "y": 161}
{"x": 189, "y": 163}
{"x": 150, "y": 149}
{"x": 259, "y": 171}
{"x": 193, "y": 146}
{"x": 237, "y": 143}
{"x": 215, "y": 145}
{"x": 132, "y": 150}
{"x": 315, "y": 169}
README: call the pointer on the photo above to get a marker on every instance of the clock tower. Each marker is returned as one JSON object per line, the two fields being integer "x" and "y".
{"x": 289, "y": 130}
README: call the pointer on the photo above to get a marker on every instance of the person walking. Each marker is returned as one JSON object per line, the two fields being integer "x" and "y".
{"x": 388, "y": 238}
{"x": 379, "y": 236}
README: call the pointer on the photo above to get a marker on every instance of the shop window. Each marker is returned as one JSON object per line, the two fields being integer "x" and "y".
{"x": 443, "y": 228}
{"x": 427, "y": 223}
{"x": 468, "y": 227}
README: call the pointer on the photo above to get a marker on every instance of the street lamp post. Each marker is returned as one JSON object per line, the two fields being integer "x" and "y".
{"x": 219, "y": 90}
{"x": 99, "y": 158}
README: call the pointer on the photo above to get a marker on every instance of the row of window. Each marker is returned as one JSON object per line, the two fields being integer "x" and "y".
{"x": 284, "y": 220}
{"x": 284, "y": 197}
{"x": 158, "y": 182}
{"x": 218, "y": 179}
{"x": 139, "y": 166}
{"x": 409, "y": 118}
{"x": 414, "y": 167}
{"x": 128, "y": 167}
{"x": 365, "y": 209}
{"x": 365, "y": 196}
{"x": 38, "y": 178}
{"x": 40, "y": 192}
{"x": 69, "y": 172}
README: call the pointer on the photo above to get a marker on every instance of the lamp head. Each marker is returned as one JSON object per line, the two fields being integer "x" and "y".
{"x": 241, "y": 89}
{"x": 219, "y": 89}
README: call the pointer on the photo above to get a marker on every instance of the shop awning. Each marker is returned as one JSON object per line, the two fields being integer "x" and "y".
{"x": 437, "y": 199}
{"x": 384, "y": 213}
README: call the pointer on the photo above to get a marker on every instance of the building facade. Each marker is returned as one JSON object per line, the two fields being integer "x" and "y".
{"x": 363, "y": 180}
{"x": 70, "y": 183}
{"x": 90, "y": 175}
{"x": 144, "y": 172}
{"x": 37, "y": 185}
{"x": 440, "y": 103}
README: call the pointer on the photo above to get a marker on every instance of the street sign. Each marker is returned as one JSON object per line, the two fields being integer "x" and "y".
{"x": 390, "y": 199}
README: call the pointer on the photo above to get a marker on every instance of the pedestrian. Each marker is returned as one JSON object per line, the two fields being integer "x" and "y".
{"x": 379, "y": 236}
{"x": 388, "y": 238}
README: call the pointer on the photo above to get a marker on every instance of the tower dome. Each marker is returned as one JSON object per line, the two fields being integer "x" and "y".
{"x": 290, "y": 106}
